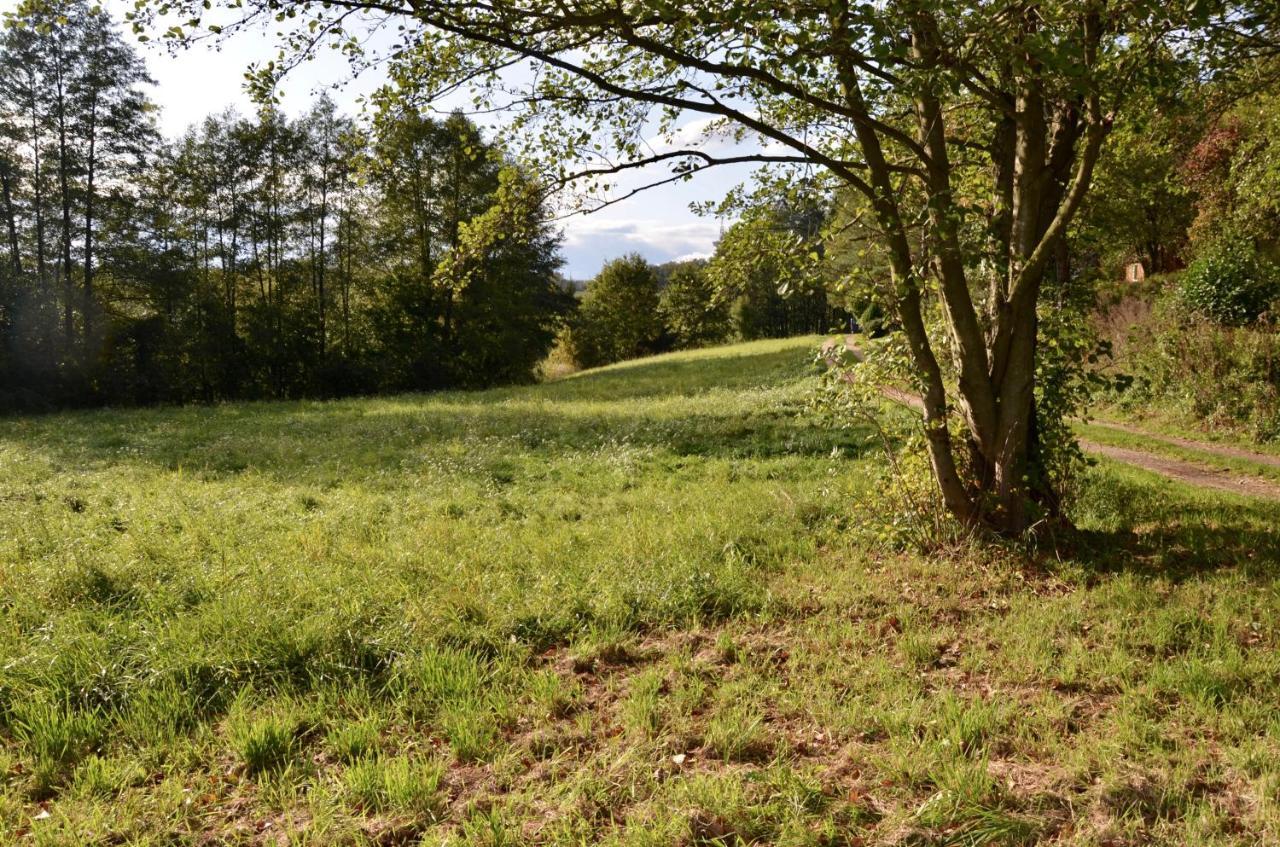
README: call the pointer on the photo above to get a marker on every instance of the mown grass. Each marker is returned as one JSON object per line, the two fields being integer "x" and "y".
{"x": 629, "y": 607}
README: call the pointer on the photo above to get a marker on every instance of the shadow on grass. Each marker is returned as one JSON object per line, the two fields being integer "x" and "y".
{"x": 665, "y": 405}
{"x": 1133, "y": 523}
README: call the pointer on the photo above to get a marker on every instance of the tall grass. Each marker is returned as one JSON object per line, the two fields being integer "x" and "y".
{"x": 624, "y": 607}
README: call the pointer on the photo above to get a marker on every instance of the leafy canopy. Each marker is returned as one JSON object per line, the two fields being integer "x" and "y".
{"x": 970, "y": 129}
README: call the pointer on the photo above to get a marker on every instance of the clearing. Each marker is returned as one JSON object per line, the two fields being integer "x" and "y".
{"x": 658, "y": 603}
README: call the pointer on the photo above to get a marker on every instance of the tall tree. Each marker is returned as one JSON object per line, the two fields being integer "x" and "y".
{"x": 922, "y": 106}
{"x": 690, "y": 307}
{"x": 619, "y": 315}
{"x": 70, "y": 91}
{"x": 113, "y": 125}
{"x": 505, "y": 296}
{"x": 331, "y": 145}
{"x": 766, "y": 266}
{"x": 8, "y": 190}
{"x": 22, "y": 91}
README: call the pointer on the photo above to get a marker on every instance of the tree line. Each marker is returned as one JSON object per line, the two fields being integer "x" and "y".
{"x": 252, "y": 257}
{"x": 768, "y": 277}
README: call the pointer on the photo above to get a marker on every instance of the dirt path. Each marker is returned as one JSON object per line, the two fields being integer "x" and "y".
{"x": 1190, "y": 473}
{"x": 1190, "y": 444}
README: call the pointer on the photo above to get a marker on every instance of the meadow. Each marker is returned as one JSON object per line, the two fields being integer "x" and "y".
{"x": 650, "y": 604}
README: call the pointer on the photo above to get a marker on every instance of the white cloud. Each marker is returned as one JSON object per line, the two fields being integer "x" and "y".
{"x": 658, "y": 224}
{"x": 647, "y": 235}
{"x": 710, "y": 135}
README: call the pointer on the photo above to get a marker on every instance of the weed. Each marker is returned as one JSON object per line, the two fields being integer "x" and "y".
{"x": 470, "y": 728}
{"x": 57, "y": 737}
{"x": 265, "y": 740}
{"x": 350, "y": 742}
{"x": 643, "y": 708}
{"x": 737, "y": 734}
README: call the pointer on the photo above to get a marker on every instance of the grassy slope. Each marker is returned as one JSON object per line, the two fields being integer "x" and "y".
{"x": 625, "y": 607}
{"x": 1186, "y": 426}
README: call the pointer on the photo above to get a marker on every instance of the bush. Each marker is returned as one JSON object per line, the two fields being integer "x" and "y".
{"x": 1230, "y": 285}
{"x": 1222, "y": 376}
{"x": 618, "y": 317}
{"x": 872, "y": 320}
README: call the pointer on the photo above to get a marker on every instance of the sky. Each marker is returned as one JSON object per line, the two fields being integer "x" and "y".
{"x": 658, "y": 223}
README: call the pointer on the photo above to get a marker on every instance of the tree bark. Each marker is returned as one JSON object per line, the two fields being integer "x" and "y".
{"x": 7, "y": 176}
{"x": 37, "y": 201}
{"x": 1040, "y": 178}
{"x": 907, "y": 286}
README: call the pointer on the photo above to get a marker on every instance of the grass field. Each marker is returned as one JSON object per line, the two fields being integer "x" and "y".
{"x": 636, "y": 606}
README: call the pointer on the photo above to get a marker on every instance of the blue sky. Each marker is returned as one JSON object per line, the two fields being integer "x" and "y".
{"x": 658, "y": 223}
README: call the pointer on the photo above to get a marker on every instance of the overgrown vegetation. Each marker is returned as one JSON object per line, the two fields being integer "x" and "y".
{"x": 1230, "y": 285}
{"x": 628, "y": 607}
{"x": 1173, "y": 361}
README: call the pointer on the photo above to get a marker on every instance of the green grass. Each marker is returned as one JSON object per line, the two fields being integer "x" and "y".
{"x": 1182, "y": 425}
{"x": 627, "y": 607}
{"x": 1138, "y": 441}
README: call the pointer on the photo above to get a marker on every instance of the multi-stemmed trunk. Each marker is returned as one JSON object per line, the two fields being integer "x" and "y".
{"x": 1043, "y": 156}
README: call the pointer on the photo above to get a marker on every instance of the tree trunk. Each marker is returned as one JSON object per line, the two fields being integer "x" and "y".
{"x": 91, "y": 166}
{"x": 10, "y": 218}
{"x": 344, "y": 277}
{"x": 1036, "y": 196}
{"x": 64, "y": 187}
{"x": 320, "y": 269}
{"x": 37, "y": 201}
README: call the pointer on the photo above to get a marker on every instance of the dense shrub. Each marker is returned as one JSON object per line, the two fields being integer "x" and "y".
{"x": 1231, "y": 285}
{"x": 618, "y": 317}
{"x": 873, "y": 321}
{"x": 1223, "y": 376}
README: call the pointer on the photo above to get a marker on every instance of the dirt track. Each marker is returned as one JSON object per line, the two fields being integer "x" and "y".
{"x": 1190, "y": 444}
{"x": 1191, "y": 473}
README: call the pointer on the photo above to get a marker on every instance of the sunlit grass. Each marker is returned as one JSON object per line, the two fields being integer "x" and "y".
{"x": 625, "y": 607}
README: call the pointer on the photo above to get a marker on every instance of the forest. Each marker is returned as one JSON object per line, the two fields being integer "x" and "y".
{"x": 257, "y": 256}
{"x": 269, "y": 256}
